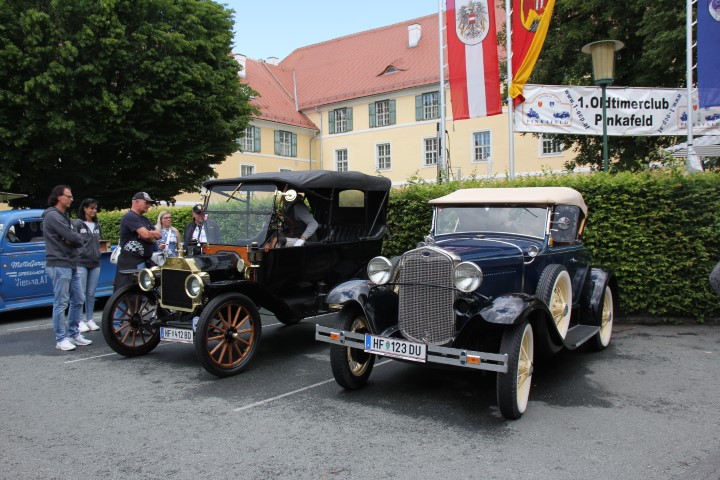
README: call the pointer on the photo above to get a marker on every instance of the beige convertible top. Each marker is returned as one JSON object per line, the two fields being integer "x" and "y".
{"x": 514, "y": 196}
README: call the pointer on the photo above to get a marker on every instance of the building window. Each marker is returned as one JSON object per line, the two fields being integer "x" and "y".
{"x": 246, "y": 170}
{"x": 285, "y": 170}
{"x": 427, "y": 106}
{"x": 383, "y": 156}
{"x": 382, "y": 113}
{"x": 341, "y": 160}
{"x": 285, "y": 143}
{"x": 340, "y": 120}
{"x": 250, "y": 140}
{"x": 481, "y": 146}
{"x": 551, "y": 145}
{"x": 430, "y": 153}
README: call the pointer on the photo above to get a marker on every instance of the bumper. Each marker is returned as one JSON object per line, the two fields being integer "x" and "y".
{"x": 455, "y": 357}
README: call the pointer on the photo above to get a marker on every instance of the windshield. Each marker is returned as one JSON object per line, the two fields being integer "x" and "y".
{"x": 243, "y": 214}
{"x": 529, "y": 221}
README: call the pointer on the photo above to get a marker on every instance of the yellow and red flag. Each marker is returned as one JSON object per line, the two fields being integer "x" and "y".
{"x": 530, "y": 22}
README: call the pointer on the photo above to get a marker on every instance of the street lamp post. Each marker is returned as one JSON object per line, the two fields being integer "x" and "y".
{"x": 603, "y": 65}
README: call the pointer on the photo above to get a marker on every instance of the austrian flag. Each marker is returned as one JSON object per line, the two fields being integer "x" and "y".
{"x": 472, "y": 58}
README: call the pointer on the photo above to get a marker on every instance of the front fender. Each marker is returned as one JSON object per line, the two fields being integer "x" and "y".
{"x": 510, "y": 309}
{"x": 378, "y": 303}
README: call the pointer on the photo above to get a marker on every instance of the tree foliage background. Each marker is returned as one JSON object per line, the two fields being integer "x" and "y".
{"x": 113, "y": 97}
{"x": 653, "y": 32}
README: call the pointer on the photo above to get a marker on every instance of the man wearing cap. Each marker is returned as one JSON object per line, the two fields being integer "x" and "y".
{"x": 137, "y": 239}
{"x": 201, "y": 230}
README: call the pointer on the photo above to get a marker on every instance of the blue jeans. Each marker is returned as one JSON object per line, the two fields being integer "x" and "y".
{"x": 88, "y": 283}
{"x": 66, "y": 290}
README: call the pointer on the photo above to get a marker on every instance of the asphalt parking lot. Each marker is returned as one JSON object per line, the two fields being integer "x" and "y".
{"x": 647, "y": 407}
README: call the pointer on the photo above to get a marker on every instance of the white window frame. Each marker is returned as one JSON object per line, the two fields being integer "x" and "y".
{"x": 341, "y": 117}
{"x": 432, "y": 154}
{"x": 485, "y": 148}
{"x": 285, "y": 142}
{"x": 554, "y": 146}
{"x": 345, "y": 162}
{"x": 246, "y": 166}
{"x": 246, "y": 139}
{"x": 382, "y": 113}
{"x": 431, "y": 109}
{"x": 386, "y": 157}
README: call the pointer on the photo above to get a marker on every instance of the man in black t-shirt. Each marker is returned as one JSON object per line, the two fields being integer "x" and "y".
{"x": 137, "y": 239}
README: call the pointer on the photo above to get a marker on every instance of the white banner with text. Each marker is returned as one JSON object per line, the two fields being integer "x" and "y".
{"x": 630, "y": 111}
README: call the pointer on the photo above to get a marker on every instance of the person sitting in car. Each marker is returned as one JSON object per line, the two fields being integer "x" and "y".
{"x": 298, "y": 224}
{"x": 200, "y": 231}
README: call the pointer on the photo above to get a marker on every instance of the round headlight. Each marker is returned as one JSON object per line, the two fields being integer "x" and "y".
{"x": 146, "y": 279}
{"x": 240, "y": 265}
{"x": 379, "y": 270}
{"x": 194, "y": 286}
{"x": 467, "y": 277}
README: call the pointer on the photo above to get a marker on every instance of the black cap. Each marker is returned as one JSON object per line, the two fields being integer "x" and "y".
{"x": 143, "y": 196}
{"x": 198, "y": 209}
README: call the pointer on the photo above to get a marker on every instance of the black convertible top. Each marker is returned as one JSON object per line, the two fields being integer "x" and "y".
{"x": 310, "y": 179}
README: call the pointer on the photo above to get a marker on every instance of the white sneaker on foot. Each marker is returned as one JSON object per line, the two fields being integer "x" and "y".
{"x": 65, "y": 345}
{"x": 80, "y": 340}
{"x": 83, "y": 327}
{"x": 92, "y": 325}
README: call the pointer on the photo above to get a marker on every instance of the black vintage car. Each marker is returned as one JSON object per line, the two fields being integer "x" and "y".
{"x": 501, "y": 280}
{"x": 211, "y": 299}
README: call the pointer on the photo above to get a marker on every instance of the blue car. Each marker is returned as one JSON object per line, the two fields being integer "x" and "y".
{"x": 23, "y": 282}
{"x": 561, "y": 115}
{"x": 502, "y": 279}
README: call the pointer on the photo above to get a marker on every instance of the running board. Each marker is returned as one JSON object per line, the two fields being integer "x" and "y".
{"x": 579, "y": 334}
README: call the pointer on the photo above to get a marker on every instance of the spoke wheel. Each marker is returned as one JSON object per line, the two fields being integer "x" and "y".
{"x": 129, "y": 322}
{"x": 513, "y": 387}
{"x": 228, "y": 334}
{"x": 351, "y": 367}
{"x": 555, "y": 289}
{"x": 602, "y": 338}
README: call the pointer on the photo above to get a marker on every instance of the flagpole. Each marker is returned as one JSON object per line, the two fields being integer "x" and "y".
{"x": 692, "y": 162}
{"x": 442, "y": 158}
{"x": 510, "y": 104}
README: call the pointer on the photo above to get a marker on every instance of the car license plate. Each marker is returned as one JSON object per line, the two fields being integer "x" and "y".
{"x": 176, "y": 335}
{"x": 393, "y": 347}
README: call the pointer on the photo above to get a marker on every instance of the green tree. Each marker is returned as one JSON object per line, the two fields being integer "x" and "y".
{"x": 113, "y": 97}
{"x": 653, "y": 32}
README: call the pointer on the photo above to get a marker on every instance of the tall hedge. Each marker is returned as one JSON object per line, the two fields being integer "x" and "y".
{"x": 658, "y": 231}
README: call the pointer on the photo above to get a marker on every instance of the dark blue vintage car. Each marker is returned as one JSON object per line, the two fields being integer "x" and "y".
{"x": 23, "y": 282}
{"x": 501, "y": 280}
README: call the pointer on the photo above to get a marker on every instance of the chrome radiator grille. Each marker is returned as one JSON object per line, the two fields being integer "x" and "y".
{"x": 426, "y": 296}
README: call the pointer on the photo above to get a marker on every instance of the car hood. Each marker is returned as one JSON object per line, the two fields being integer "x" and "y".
{"x": 474, "y": 249}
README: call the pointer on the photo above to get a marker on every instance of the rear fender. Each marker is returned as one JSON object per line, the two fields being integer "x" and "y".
{"x": 601, "y": 278}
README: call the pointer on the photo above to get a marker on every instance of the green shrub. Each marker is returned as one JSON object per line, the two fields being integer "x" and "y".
{"x": 659, "y": 232}
{"x": 110, "y": 220}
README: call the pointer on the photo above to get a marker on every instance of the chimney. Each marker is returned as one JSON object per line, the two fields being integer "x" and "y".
{"x": 272, "y": 60}
{"x": 242, "y": 60}
{"x": 414, "y": 34}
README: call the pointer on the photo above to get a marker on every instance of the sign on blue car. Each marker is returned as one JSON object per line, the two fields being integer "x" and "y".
{"x": 23, "y": 281}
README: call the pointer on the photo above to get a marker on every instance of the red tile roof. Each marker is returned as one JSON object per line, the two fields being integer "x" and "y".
{"x": 275, "y": 88}
{"x": 351, "y": 66}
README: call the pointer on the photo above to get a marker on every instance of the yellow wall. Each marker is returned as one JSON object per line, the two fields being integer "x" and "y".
{"x": 317, "y": 151}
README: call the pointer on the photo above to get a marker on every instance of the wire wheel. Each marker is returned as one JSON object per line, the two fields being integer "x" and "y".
{"x": 555, "y": 290}
{"x": 228, "y": 334}
{"x": 351, "y": 367}
{"x": 129, "y": 322}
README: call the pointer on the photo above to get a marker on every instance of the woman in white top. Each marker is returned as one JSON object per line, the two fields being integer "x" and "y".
{"x": 170, "y": 234}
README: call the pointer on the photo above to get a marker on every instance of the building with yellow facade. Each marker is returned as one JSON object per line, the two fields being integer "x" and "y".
{"x": 370, "y": 102}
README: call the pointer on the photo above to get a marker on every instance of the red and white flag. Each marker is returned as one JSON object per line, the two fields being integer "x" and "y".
{"x": 472, "y": 58}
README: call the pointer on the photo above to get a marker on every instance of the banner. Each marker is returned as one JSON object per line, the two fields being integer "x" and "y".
{"x": 474, "y": 73}
{"x": 708, "y": 58}
{"x": 530, "y": 22}
{"x": 576, "y": 110}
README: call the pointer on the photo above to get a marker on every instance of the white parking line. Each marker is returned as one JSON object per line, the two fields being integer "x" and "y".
{"x": 268, "y": 400}
{"x": 34, "y": 327}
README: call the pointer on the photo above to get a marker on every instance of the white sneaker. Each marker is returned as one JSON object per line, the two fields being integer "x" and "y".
{"x": 65, "y": 345}
{"x": 92, "y": 325}
{"x": 83, "y": 327}
{"x": 80, "y": 340}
